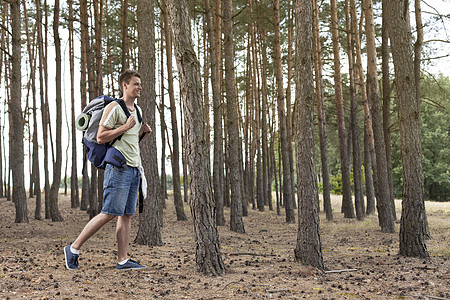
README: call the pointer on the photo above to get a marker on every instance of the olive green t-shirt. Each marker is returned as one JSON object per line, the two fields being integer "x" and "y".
{"x": 114, "y": 117}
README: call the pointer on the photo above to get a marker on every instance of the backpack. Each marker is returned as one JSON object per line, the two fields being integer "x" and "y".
{"x": 88, "y": 122}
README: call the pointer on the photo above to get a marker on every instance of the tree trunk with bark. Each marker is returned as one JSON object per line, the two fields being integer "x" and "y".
{"x": 217, "y": 118}
{"x": 84, "y": 31}
{"x": 124, "y": 34}
{"x": 163, "y": 122}
{"x": 74, "y": 192}
{"x": 384, "y": 201}
{"x": 150, "y": 220}
{"x": 54, "y": 211}
{"x": 412, "y": 239}
{"x": 208, "y": 256}
{"x": 236, "y": 223}
{"x": 321, "y": 116}
{"x": 354, "y": 124}
{"x": 287, "y": 186}
{"x": 17, "y": 126}
{"x": 347, "y": 205}
{"x": 387, "y": 107}
{"x": 175, "y": 159}
{"x": 309, "y": 246}
{"x": 370, "y": 193}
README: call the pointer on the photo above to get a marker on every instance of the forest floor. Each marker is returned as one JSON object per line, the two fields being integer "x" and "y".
{"x": 259, "y": 264}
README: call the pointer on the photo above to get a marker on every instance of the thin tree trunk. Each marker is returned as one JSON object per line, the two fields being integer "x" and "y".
{"x": 321, "y": 116}
{"x": 289, "y": 125}
{"x": 83, "y": 93}
{"x": 347, "y": 205}
{"x": 387, "y": 106}
{"x": 175, "y": 160}
{"x": 354, "y": 124}
{"x": 124, "y": 34}
{"x": 74, "y": 192}
{"x": 384, "y": 205}
{"x": 163, "y": 123}
{"x": 98, "y": 31}
{"x": 150, "y": 220}
{"x": 417, "y": 61}
{"x": 236, "y": 223}
{"x": 287, "y": 186}
{"x": 208, "y": 256}
{"x": 54, "y": 211}
{"x": 35, "y": 178}
{"x": 217, "y": 115}
{"x": 264, "y": 189}
{"x": 370, "y": 193}
{"x": 309, "y": 246}
{"x": 17, "y": 125}
{"x": 2, "y": 45}
{"x": 412, "y": 239}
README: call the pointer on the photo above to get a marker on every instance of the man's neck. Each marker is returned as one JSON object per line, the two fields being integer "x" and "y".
{"x": 129, "y": 101}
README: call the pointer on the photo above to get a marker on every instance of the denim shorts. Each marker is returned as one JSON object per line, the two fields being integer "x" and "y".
{"x": 120, "y": 190}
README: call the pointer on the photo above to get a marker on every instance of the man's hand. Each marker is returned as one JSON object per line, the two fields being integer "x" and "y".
{"x": 145, "y": 130}
{"x": 130, "y": 122}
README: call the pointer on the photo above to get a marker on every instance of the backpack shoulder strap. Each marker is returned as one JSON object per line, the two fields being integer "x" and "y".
{"x": 138, "y": 113}
{"x": 124, "y": 107}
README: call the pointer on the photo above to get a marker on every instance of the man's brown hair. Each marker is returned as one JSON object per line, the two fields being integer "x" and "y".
{"x": 126, "y": 77}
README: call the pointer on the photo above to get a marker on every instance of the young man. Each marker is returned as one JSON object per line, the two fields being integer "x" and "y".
{"x": 120, "y": 185}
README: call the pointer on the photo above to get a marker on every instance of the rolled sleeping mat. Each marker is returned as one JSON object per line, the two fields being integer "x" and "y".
{"x": 82, "y": 121}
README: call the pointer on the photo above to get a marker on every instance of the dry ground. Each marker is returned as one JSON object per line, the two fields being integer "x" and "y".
{"x": 259, "y": 263}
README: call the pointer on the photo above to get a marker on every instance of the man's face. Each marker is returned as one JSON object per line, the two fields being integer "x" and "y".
{"x": 133, "y": 89}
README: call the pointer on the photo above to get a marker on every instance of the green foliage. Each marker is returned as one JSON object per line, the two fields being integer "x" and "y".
{"x": 435, "y": 138}
{"x": 435, "y": 141}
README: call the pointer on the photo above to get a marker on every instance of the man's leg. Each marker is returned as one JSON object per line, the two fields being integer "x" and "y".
{"x": 91, "y": 227}
{"x": 123, "y": 231}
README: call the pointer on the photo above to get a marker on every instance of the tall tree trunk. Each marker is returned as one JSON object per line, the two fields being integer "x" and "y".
{"x": 417, "y": 72}
{"x": 2, "y": 45}
{"x": 54, "y": 211}
{"x": 124, "y": 34}
{"x": 264, "y": 147}
{"x": 347, "y": 205}
{"x": 98, "y": 31}
{"x": 309, "y": 246}
{"x": 289, "y": 125}
{"x": 84, "y": 29}
{"x": 217, "y": 115}
{"x": 74, "y": 193}
{"x": 384, "y": 201}
{"x": 412, "y": 240}
{"x": 35, "y": 156}
{"x": 208, "y": 256}
{"x": 387, "y": 106}
{"x": 43, "y": 88}
{"x": 287, "y": 186}
{"x": 236, "y": 223}
{"x": 354, "y": 124}
{"x": 17, "y": 125}
{"x": 150, "y": 221}
{"x": 253, "y": 107}
{"x": 321, "y": 116}
{"x": 175, "y": 160}
{"x": 163, "y": 123}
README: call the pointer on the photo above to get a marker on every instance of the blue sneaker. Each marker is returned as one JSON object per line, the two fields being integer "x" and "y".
{"x": 71, "y": 259}
{"x": 130, "y": 265}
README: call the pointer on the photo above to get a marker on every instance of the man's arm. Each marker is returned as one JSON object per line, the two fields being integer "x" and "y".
{"x": 106, "y": 134}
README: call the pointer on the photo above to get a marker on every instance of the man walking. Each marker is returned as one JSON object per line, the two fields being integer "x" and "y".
{"x": 120, "y": 185}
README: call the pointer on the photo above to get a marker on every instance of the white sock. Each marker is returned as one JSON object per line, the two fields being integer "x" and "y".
{"x": 123, "y": 262}
{"x": 74, "y": 251}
